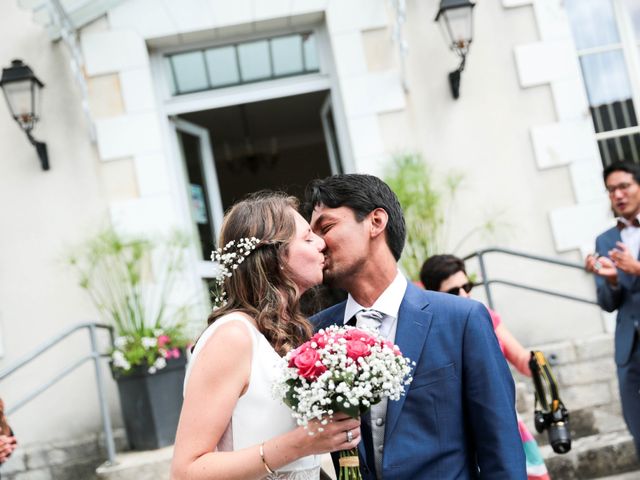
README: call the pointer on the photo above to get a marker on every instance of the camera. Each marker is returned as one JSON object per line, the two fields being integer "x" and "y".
{"x": 552, "y": 414}
{"x": 557, "y": 424}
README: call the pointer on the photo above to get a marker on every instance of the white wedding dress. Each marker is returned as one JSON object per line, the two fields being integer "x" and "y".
{"x": 258, "y": 416}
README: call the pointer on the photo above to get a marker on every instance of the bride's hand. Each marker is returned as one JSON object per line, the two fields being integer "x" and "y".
{"x": 340, "y": 433}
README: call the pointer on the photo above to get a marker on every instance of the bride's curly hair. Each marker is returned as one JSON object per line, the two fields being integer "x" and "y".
{"x": 262, "y": 285}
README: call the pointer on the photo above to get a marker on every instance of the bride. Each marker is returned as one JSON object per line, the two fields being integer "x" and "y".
{"x": 231, "y": 427}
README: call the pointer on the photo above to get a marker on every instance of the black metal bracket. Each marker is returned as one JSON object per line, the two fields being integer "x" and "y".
{"x": 454, "y": 78}
{"x": 41, "y": 148}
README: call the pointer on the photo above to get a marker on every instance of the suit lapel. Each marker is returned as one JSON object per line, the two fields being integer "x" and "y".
{"x": 625, "y": 279}
{"x": 334, "y": 316}
{"x": 411, "y": 332}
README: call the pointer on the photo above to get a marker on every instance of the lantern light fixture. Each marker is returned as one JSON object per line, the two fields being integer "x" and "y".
{"x": 455, "y": 18}
{"x": 22, "y": 91}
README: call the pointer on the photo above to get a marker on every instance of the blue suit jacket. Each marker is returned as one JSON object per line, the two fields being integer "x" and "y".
{"x": 625, "y": 298}
{"x": 458, "y": 414}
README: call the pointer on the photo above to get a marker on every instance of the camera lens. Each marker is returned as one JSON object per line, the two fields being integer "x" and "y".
{"x": 560, "y": 437}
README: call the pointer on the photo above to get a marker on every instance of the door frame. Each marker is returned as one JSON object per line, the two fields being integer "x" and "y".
{"x": 170, "y": 107}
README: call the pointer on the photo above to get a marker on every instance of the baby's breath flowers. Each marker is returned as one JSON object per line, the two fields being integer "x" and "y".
{"x": 150, "y": 350}
{"x": 341, "y": 369}
{"x": 229, "y": 258}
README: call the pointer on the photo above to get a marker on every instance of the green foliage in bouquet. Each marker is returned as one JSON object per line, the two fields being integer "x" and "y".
{"x": 129, "y": 280}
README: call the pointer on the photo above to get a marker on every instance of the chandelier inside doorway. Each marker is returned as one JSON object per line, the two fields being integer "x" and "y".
{"x": 251, "y": 155}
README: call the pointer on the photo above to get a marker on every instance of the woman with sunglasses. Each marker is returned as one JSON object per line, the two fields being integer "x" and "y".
{"x": 447, "y": 274}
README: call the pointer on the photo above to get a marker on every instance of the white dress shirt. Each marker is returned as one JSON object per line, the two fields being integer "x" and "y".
{"x": 388, "y": 303}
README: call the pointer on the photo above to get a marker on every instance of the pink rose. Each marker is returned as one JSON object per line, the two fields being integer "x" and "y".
{"x": 294, "y": 353}
{"x": 163, "y": 340}
{"x": 320, "y": 339}
{"x": 357, "y": 349}
{"x": 393, "y": 347}
{"x": 305, "y": 360}
{"x": 174, "y": 352}
{"x": 357, "y": 334}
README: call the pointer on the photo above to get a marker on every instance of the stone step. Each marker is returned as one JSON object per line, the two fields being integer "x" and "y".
{"x": 584, "y": 423}
{"x": 147, "y": 465}
{"x": 635, "y": 475}
{"x": 594, "y": 456}
{"x": 156, "y": 464}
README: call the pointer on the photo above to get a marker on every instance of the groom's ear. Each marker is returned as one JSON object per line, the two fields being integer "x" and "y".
{"x": 379, "y": 219}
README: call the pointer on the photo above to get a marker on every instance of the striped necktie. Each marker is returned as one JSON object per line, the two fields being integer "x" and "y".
{"x": 371, "y": 319}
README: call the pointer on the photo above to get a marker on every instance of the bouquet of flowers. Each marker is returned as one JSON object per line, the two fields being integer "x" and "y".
{"x": 342, "y": 369}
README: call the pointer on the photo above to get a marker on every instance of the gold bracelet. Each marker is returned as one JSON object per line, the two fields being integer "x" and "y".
{"x": 264, "y": 462}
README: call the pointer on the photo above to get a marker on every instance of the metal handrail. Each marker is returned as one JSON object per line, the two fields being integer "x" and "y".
{"x": 487, "y": 282}
{"x": 95, "y": 355}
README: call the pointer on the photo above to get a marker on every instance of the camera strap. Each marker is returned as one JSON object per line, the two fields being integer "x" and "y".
{"x": 542, "y": 375}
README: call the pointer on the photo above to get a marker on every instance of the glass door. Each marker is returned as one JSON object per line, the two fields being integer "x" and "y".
{"x": 201, "y": 183}
{"x": 331, "y": 135}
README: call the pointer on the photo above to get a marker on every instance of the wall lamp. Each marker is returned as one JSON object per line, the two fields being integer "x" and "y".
{"x": 21, "y": 90}
{"x": 456, "y": 21}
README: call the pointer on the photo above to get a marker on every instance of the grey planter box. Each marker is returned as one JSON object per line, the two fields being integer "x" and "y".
{"x": 151, "y": 404}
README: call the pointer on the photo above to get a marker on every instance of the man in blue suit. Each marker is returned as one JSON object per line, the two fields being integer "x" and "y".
{"x": 617, "y": 270}
{"x": 457, "y": 419}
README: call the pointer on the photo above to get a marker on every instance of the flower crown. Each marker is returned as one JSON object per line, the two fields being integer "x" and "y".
{"x": 228, "y": 259}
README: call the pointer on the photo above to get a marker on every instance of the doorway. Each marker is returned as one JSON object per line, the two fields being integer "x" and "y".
{"x": 277, "y": 144}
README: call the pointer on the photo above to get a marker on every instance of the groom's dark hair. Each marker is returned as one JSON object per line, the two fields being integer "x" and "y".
{"x": 362, "y": 194}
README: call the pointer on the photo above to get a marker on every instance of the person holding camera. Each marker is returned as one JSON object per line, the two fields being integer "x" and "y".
{"x": 447, "y": 274}
{"x": 616, "y": 268}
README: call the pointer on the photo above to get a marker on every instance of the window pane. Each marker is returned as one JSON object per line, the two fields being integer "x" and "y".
{"x": 287, "y": 55}
{"x": 310, "y": 53}
{"x": 172, "y": 82}
{"x": 222, "y": 65}
{"x": 592, "y": 22}
{"x": 633, "y": 8}
{"x": 190, "y": 72}
{"x": 609, "y": 91}
{"x": 626, "y": 147}
{"x": 255, "y": 60}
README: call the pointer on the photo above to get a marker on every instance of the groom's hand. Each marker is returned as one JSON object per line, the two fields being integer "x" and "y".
{"x": 341, "y": 432}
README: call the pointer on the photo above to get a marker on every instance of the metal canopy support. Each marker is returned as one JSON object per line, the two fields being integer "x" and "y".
{"x": 400, "y": 9}
{"x": 69, "y": 36}
{"x": 63, "y": 19}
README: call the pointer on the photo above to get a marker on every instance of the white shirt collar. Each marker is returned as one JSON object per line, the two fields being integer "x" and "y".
{"x": 626, "y": 222}
{"x": 388, "y": 302}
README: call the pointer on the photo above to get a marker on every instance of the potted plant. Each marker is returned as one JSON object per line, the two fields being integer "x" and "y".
{"x": 130, "y": 281}
{"x": 427, "y": 204}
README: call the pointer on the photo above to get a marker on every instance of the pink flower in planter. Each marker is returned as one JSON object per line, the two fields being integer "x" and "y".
{"x": 163, "y": 340}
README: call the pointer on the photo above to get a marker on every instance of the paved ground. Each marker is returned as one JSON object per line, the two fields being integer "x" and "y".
{"x": 623, "y": 476}
{"x": 328, "y": 468}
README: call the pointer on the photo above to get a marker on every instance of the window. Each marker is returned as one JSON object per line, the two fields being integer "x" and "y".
{"x": 246, "y": 62}
{"x": 607, "y": 37}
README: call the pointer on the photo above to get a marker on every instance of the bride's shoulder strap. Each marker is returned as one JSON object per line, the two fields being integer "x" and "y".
{"x": 230, "y": 317}
{"x": 211, "y": 329}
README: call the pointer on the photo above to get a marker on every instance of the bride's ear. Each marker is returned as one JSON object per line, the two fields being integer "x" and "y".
{"x": 379, "y": 219}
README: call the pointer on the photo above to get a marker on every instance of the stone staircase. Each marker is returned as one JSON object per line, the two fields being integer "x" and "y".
{"x": 601, "y": 444}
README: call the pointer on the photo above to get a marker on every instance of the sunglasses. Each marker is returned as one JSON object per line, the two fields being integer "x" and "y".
{"x": 456, "y": 290}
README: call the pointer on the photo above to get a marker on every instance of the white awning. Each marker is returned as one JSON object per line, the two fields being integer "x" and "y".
{"x": 51, "y": 13}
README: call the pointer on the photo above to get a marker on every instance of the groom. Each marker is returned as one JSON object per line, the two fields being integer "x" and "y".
{"x": 457, "y": 419}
